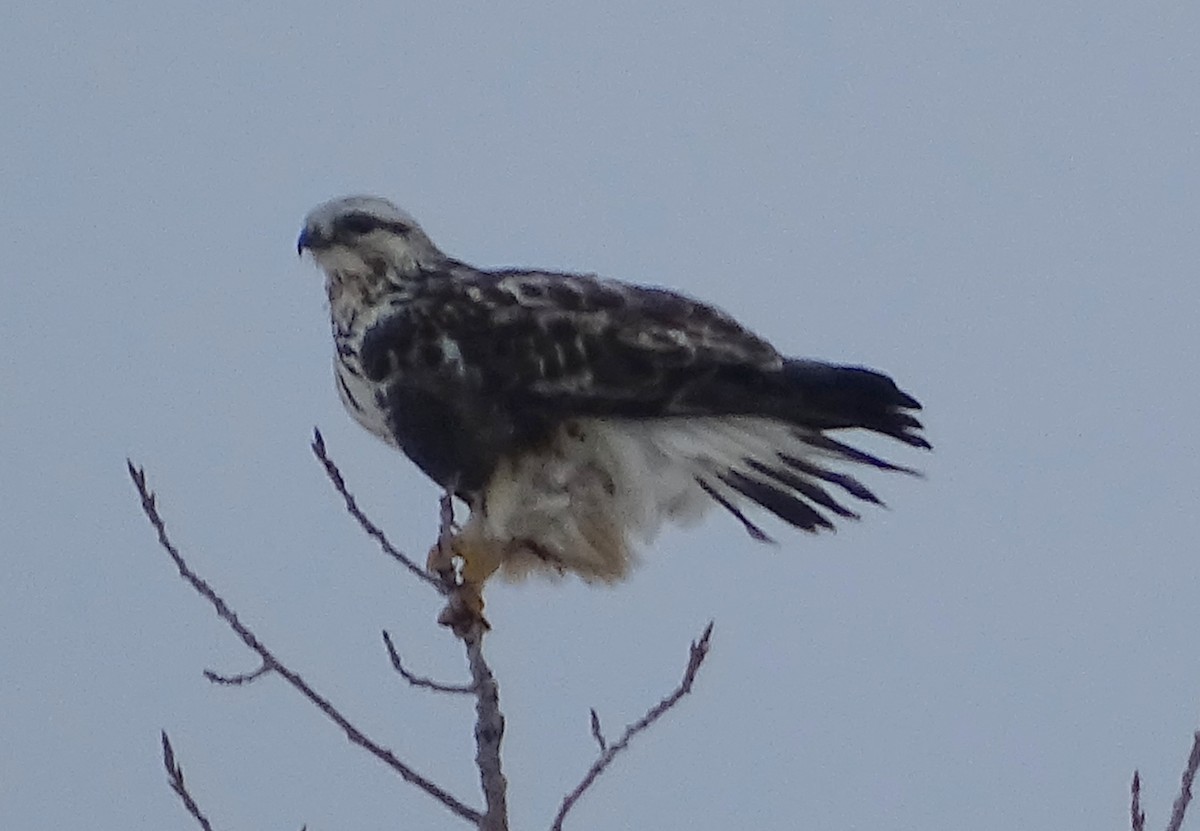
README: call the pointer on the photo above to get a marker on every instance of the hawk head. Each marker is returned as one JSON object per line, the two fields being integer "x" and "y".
{"x": 359, "y": 236}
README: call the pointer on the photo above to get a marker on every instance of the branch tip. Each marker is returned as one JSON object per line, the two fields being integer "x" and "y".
{"x": 239, "y": 679}
{"x": 696, "y": 655}
{"x": 169, "y": 756}
{"x": 417, "y": 680}
{"x": 597, "y": 733}
{"x": 175, "y": 778}
{"x": 1137, "y": 816}
{"x": 372, "y": 530}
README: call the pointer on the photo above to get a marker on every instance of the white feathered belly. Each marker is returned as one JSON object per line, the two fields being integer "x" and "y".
{"x": 602, "y": 487}
{"x": 360, "y": 398}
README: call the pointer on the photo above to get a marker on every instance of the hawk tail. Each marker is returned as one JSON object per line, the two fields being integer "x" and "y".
{"x": 824, "y": 396}
{"x": 672, "y": 468}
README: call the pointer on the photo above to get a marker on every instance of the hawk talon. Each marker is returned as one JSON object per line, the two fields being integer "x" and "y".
{"x": 440, "y": 562}
{"x": 462, "y": 568}
{"x": 464, "y": 611}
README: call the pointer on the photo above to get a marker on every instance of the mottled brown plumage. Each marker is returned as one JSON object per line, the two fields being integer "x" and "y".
{"x": 573, "y": 412}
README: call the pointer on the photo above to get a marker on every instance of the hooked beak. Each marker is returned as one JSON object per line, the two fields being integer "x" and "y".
{"x": 307, "y": 241}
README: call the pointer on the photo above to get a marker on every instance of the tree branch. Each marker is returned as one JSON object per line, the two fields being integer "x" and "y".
{"x": 175, "y": 777}
{"x": 373, "y": 531}
{"x": 489, "y": 732}
{"x": 1137, "y": 816}
{"x": 699, "y": 650}
{"x": 247, "y": 637}
{"x": 597, "y": 734}
{"x": 417, "y": 680}
{"x": 470, "y": 629}
{"x": 237, "y": 680}
{"x": 1185, "y": 786}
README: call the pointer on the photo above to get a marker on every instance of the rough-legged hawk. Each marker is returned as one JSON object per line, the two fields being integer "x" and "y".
{"x": 575, "y": 415}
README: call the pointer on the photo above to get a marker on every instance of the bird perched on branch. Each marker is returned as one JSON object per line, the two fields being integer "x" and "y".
{"x": 574, "y": 415}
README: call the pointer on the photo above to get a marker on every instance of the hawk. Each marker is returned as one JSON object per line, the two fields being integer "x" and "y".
{"x": 576, "y": 415}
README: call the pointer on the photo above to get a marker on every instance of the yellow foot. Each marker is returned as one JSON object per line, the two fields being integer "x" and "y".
{"x": 440, "y": 562}
{"x": 464, "y": 611}
{"x": 463, "y": 565}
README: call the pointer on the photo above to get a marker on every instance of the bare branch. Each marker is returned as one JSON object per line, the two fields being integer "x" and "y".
{"x": 251, "y": 640}
{"x": 596, "y": 733}
{"x": 1185, "y": 786}
{"x": 463, "y": 618}
{"x": 446, "y": 508}
{"x": 1137, "y": 816}
{"x": 175, "y": 777}
{"x": 699, "y": 650}
{"x": 489, "y": 731}
{"x": 373, "y": 531}
{"x": 239, "y": 679}
{"x": 418, "y": 681}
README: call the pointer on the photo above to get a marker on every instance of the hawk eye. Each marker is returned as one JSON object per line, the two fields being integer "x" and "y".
{"x": 357, "y": 224}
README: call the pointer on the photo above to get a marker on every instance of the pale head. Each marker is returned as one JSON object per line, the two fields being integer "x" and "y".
{"x": 366, "y": 235}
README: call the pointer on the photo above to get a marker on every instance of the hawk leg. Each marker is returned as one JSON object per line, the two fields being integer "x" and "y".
{"x": 463, "y": 564}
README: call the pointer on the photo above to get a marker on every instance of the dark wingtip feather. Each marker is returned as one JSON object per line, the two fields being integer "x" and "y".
{"x": 753, "y": 530}
{"x": 843, "y": 480}
{"x": 820, "y": 441}
{"x": 805, "y": 487}
{"x": 788, "y": 507}
{"x": 912, "y": 439}
{"x": 904, "y": 400}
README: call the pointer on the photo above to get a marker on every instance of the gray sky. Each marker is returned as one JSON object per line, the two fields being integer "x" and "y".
{"x": 997, "y": 206}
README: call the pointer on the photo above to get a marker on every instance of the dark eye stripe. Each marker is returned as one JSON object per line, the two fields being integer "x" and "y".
{"x": 359, "y": 224}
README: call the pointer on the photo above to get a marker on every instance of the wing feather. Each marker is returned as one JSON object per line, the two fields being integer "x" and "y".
{"x": 514, "y": 355}
{"x": 572, "y": 344}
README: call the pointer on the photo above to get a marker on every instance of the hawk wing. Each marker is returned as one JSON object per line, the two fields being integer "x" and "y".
{"x": 499, "y": 360}
{"x": 562, "y": 344}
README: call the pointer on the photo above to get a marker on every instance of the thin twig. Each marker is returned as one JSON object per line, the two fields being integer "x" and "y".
{"x": 1185, "y": 786}
{"x": 489, "y": 732}
{"x": 251, "y": 640}
{"x": 417, "y": 680}
{"x": 699, "y": 650}
{"x": 1137, "y": 816}
{"x": 446, "y": 510}
{"x": 335, "y": 476}
{"x": 239, "y": 679}
{"x": 596, "y": 732}
{"x": 175, "y": 777}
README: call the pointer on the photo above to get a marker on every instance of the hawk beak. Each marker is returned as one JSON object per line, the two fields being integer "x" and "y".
{"x": 310, "y": 239}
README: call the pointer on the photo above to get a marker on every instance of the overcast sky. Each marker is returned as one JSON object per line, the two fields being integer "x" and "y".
{"x": 999, "y": 207}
